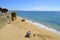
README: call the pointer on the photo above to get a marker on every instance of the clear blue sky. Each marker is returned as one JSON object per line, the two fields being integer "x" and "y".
{"x": 31, "y": 5}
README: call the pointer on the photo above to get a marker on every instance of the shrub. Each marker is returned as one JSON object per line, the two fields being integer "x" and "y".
{"x": 4, "y": 10}
{"x": 23, "y": 20}
{"x": 0, "y": 9}
{"x": 13, "y": 15}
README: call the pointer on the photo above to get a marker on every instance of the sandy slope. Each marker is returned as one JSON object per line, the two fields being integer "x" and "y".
{"x": 17, "y": 30}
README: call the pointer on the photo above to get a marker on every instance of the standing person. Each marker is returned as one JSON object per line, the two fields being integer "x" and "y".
{"x": 28, "y": 34}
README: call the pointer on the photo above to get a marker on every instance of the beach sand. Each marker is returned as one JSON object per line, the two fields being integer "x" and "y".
{"x": 16, "y": 30}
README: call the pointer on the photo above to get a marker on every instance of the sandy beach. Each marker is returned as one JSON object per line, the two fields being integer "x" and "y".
{"x": 16, "y": 30}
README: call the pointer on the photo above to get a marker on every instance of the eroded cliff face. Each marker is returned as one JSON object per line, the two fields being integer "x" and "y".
{"x": 4, "y": 19}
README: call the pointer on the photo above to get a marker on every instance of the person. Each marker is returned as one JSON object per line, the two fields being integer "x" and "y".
{"x": 27, "y": 34}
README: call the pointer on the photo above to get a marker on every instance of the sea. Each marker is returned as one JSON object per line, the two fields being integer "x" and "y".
{"x": 48, "y": 20}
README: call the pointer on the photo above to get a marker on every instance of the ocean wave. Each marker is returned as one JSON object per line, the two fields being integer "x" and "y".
{"x": 43, "y": 27}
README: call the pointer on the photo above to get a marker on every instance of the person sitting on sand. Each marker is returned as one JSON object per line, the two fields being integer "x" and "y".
{"x": 28, "y": 34}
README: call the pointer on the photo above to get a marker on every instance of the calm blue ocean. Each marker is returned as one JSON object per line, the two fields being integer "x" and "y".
{"x": 48, "y": 18}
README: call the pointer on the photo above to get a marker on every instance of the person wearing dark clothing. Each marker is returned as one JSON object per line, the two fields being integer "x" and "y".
{"x": 27, "y": 34}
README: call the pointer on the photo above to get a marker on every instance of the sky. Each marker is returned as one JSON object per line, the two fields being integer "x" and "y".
{"x": 31, "y": 5}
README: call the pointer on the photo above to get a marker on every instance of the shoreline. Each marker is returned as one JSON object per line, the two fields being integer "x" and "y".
{"x": 17, "y": 29}
{"x": 39, "y": 25}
